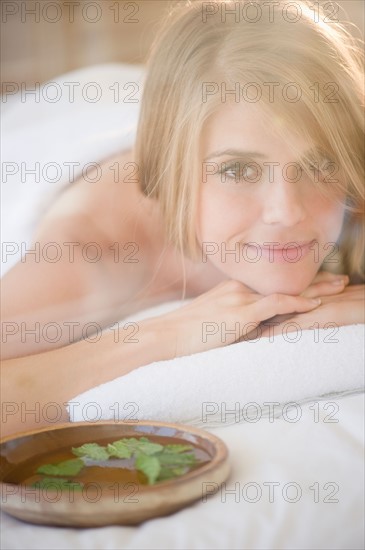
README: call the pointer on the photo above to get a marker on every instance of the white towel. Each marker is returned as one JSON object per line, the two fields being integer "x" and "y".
{"x": 237, "y": 383}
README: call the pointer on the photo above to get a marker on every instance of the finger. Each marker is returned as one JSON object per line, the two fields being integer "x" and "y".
{"x": 279, "y": 304}
{"x": 326, "y": 288}
{"x": 327, "y": 276}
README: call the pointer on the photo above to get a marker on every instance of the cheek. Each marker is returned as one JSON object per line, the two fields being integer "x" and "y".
{"x": 331, "y": 216}
{"x": 221, "y": 217}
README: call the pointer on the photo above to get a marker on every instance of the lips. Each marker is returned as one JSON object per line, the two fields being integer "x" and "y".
{"x": 292, "y": 251}
{"x": 281, "y": 246}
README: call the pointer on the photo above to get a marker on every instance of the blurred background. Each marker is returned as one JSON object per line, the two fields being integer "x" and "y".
{"x": 43, "y": 39}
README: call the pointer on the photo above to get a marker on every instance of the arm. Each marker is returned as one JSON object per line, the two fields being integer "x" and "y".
{"x": 32, "y": 383}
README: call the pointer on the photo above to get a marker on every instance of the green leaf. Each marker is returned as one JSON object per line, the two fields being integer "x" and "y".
{"x": 157, "y": 462}
{"x": 171, "y": 459}
{"x": 165, "y": 474}
{"x": 149, "y": 465}
{"x": 149, "y": 448}
{"x": 91, "y": 450}
{"x": 119, "y": 449}
{"x": 142, "y": 445}
{"x": 131, "y": 442}
{"x": 57, "y": 483}
{"x": 67, "y": 468}
{"x": 177, "y": 448}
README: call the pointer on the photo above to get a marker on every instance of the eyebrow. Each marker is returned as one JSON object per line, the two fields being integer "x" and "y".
{"x": 234, "y": 153}
{"x": 241, "y": 153}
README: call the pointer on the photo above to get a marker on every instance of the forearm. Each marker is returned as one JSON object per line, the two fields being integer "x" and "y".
{"x": 33, "y": 382}
{"x": 38, "y": 332}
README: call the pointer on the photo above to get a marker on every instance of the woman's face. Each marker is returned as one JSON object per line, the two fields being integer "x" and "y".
{"x": 261, "y": 198}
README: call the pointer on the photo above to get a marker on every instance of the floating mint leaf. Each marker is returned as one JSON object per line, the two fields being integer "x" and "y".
{"x": 149, "y": 465}
{"x": 177, "y": 448}
{"x": 67, "y": 468}
{"x": 91, "y": 450}
{"x": 177, "y": 459}
{"x": 119, "y": 449}
{"x": 58, "y": 483}
{"x": 131, "y": 443}
{"x": 169, "y": 473}
{"x": 142, "y": 445}
{"x": 149, "y": 448}
{"x": 165, "y": 474}
{"x": 157, "y": 462}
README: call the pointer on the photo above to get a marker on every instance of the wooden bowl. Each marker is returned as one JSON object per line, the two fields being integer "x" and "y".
{"x": 112, "y": 503}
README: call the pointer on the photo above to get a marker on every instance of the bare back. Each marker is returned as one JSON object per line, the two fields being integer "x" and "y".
{"x": 137, "y": 268}
{"x": 129, "y": 228}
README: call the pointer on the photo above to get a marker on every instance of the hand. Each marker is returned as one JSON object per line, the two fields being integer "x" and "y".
{"x": 326, "y": 284}
{"x": 346, "y": 308}
{"x": 222, "y": 316}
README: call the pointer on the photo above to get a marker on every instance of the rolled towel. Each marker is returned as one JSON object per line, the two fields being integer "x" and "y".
{"x": 239, "y": 382}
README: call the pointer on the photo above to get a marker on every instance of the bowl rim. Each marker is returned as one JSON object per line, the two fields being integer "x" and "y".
{"x": 183, "y": 427}
{"x": 218, "y": 460}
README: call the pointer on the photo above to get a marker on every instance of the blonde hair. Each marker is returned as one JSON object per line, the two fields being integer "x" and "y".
{"x": 196, "y": 47}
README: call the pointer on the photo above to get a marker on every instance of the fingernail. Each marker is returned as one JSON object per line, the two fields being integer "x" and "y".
{"x": 338, "y": 282}
{"x": 316, "y": 301}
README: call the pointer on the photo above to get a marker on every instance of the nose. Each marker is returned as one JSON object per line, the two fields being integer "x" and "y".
{"x": 283, "y": 203}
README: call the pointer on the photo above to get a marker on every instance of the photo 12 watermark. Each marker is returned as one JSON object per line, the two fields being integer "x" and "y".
{"x": 272, "y": 492}
{"x": 271, "y": 11}
{"x": 248, "y": 172}
{"x": 52, "y": 412}
{"x": 269, "y": 251}
{"x": 26, "y": 11}
{"x": 254, "y": 92}
{"x": 72, "y": 92}
{"x": 68, "y": 172}
{"x": 67, "y": 332}
{"x": 51, "y": 491}
{"x": 70, "y": 251}
{"x": 269, "y": 411}
{"x": 253, "y": 332}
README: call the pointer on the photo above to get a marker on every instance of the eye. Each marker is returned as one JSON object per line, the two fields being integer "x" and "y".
{"x": 240, "y": 172}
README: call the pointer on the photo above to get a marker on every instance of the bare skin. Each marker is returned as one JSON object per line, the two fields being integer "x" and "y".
{"x": 81, "y": 292}
{"x": 103, "y": 292}
{"x": 136, "y": 268}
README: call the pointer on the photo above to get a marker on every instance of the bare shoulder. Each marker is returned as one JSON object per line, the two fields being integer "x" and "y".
{"x": 83, "y": 271}
{"x": 114, "y": 217}
{"x": 95, "y": 194}
{"x": 110, "y": 218}
{"x": 100, "y": 203}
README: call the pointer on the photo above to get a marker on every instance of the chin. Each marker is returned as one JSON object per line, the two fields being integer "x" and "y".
{"x": 292, "y": 289}
{"x": 282, "y": 285}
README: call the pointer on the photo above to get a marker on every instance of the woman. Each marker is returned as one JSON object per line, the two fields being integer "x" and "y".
{"x": 248, "y": 200}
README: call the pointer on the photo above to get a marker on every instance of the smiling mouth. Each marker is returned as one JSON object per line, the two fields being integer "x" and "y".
{"x": 291, "y": 252}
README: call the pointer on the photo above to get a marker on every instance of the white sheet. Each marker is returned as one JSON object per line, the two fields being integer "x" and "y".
{"x": 57, "y": 140}
{"x": 306, "y": 453}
